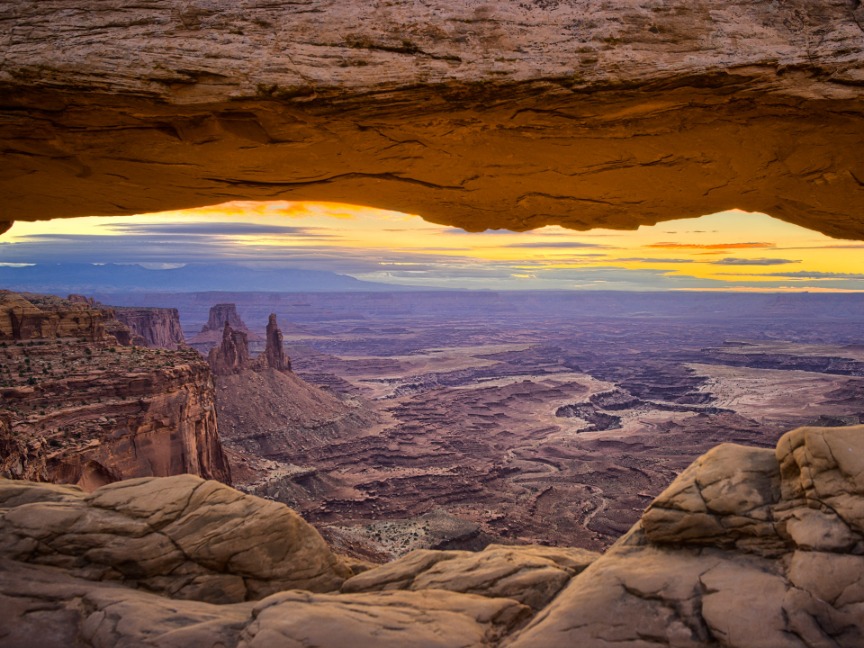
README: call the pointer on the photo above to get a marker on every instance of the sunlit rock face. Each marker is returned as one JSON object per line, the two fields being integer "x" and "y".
{"x": 507, "y": 114}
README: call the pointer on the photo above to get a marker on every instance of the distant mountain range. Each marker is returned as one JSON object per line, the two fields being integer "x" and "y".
{"x": 62, "y": 278}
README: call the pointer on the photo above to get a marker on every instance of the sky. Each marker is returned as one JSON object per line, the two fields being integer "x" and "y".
{"x": 730, "y": 251}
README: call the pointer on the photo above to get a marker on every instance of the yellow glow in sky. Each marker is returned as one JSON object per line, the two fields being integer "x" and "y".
{"x": 728, "y": 250}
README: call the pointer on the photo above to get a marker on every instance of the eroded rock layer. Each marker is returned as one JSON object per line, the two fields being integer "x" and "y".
{"x": 156, "y": 327}
{"x": 747, "y": 548}
{"x": 82, "y": 409}
{"x": 508, "y": 114}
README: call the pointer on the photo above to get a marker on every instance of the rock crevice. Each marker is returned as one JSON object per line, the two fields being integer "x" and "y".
{"x": 714, "y": 561}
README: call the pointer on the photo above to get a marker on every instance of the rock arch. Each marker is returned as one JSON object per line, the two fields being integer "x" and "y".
{"x": 511, "y": 114}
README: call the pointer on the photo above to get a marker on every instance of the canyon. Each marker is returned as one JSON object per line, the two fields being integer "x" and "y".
{"x": 574, "y": 413}
{"x": 453, "y": 420}
{"x": 81, "y": 408}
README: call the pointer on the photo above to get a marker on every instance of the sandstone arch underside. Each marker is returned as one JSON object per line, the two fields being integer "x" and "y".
{"x": 481, "y": 115}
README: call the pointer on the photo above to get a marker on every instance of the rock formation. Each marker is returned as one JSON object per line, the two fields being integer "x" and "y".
{"x": 81, "y": 409}
{"x": 274, "y": 353}
{"x": 154, "y": 327}
{"x": 747, "y": 548}
{"x": 212, "y": 334}
{"x": 181, "y": 536}
{"x": 232, "y": 355}
{"x": 222, "y": 314}
{"x": 151, "y": 327}
{"x": 44, "y": 317}
{"x": 510, "y": 114}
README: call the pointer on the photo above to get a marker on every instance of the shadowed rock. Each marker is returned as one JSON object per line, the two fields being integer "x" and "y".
{"x": 510, "y": 114}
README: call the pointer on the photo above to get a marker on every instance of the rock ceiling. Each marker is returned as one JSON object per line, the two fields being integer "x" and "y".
{"x": 582, "y": 113}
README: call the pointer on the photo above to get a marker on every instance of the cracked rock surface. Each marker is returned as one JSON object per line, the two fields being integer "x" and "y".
{"x": 747, "y": 548}
{"x": 510, "y": 114}
{"x": 181, "y": 536}
{"x": 532, "y": 575}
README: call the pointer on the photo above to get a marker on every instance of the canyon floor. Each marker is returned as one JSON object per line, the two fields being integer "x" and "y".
{"x": 521, "y": 418}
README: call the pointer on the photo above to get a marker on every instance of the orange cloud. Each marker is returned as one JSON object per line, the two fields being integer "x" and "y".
{"x": 710, "y": 246}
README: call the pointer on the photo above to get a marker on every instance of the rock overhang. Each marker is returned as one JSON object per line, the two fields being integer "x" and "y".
{"x": 513, "y": 115}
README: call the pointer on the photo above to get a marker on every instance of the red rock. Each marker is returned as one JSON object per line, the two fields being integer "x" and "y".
{"x": 232, "y": 356}
{"x": 79, "y": 408}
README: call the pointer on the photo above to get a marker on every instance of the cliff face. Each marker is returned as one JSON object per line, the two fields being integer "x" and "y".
{"x": 748, "y": 548}
{"x": 506, "y": 115}
{"x": 212, "y": 336}
{"x": 91, "y": 412}
{"x": 44, "y": 317}
{"x": 222, "y": 314}
{"x": 155, "y": 327}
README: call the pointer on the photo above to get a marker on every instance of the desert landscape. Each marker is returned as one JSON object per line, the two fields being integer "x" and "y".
{"x": 458, "y": 419}
{"x": 526, "y": 324}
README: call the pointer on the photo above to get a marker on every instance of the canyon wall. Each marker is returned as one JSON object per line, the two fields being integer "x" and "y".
{"x": 81, "y": 409}
{"x": 481, "y": 115}
{"x": 156, "y": 327}
{"x": 43, "y": 317}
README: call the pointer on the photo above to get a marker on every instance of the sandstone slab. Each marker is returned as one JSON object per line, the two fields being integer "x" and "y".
{"x": 64, "y": 611}
{"x": 183, "y": 536}
{"x": 532, "y": 575}
{"x": 498, "y": 115}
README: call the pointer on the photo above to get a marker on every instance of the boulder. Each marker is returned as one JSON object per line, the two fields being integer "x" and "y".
{"x": 182, "y": 536}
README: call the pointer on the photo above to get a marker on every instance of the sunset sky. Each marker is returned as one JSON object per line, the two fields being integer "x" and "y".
{"x": 726, "y": 251}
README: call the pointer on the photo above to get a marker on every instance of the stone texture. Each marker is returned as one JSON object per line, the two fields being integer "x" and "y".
{"x": 532, "y": 575}
{"x": 65, "y": 611}
{"x": 182, "y": 536}
{"x": 25, "y": 316}
{"x": 509, "y": 114}
{"x": 232, "y": 355}
{"x": 744, "y": 549}
{"x": 67, "y": 561}
{"x": 78, "y": 408}
{"x": 154, "y": 327}
{"x": 726, "y": 497}
{"x": 274, "y": 352}
{"x": 222, "y": 314}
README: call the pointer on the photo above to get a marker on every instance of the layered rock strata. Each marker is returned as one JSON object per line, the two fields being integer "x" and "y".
{"x": 80, "y": 408}
{"x": 747, "y": 548}
{"x": 25, "y": 316}
{"x": 153, "y": 327}
{"x": 505, "y": 115}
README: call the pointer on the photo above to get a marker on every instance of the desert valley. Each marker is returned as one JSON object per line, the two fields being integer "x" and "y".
{"x": 432, "y": 324}
{"x": 456, "y": 420}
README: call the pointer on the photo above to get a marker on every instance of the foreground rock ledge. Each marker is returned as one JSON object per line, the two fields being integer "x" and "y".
{"x": 747, "y": 548}
{"x": 502, "y": 115}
